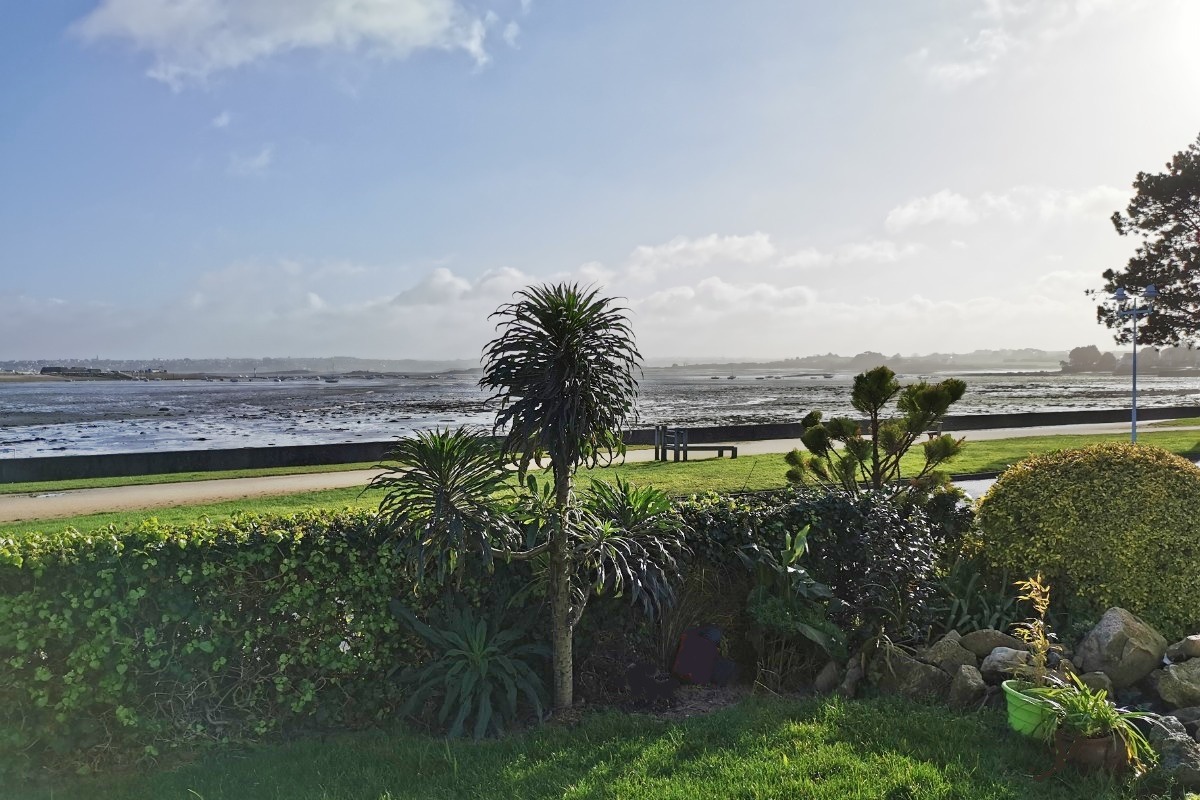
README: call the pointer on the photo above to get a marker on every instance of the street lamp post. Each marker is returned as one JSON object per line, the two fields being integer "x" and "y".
{"x": 1134, "y": 311}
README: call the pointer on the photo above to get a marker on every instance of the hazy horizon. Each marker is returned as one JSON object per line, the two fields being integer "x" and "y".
{"x": 771, "y": 177}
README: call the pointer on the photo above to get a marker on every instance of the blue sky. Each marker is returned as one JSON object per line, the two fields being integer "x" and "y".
{"x": 324, "y": 177}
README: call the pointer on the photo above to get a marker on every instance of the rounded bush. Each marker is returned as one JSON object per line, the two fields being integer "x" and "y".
{"x": 1110, "y": 525}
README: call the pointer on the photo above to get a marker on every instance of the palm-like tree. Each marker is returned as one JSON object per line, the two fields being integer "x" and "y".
{"x": 562, "y": 366}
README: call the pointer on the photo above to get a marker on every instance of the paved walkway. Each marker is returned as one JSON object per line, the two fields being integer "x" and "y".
{"x": 54, "y": 505}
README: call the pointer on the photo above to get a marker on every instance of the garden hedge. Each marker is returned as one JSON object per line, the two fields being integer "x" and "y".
{"x": 118, "y": 645}
{"x": 122, "y": 644}
{"x": 1108, "y": 525}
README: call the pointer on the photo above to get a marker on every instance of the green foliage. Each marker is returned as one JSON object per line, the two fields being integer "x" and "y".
{"x": 967, "y": 598}
{"x": 562, "y": 367}
{"x": 632, "y": 545}
{"x": 1107, "y": 525}
{"x": 1088, "y": 714}
{"x": 480, "y": 669}
{"x": 118, "y": 646}
{"x": 440, "y": 500}
{"x": 877, "y": 555}
{"x": 1035, "y": 632}
{"x": 839, "y": 455}
{"x": 790, "y": 611}
{"x": 1164, "y": 215}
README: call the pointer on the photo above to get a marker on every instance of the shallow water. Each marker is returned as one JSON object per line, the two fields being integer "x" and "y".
{"x": 106, "y": 417}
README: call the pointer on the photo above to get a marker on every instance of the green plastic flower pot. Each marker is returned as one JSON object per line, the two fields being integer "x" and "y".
{"x": 1026, "y": 715}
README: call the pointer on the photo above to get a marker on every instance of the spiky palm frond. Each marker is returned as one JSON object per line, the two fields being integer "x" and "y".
{"x": 441, "y": 499}
{"x": 562, "y": 367}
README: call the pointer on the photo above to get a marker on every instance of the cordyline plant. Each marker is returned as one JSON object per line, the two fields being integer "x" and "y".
{"x": 562, "y": 368}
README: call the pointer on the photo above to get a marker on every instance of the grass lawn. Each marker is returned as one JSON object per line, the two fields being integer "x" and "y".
{"x": 745, "y": 473}
{"x": 827, "y": 749}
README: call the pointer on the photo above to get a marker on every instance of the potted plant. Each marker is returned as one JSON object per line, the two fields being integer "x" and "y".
{"x": 1093, "y": 733}
{"x": 1028, "y": 711}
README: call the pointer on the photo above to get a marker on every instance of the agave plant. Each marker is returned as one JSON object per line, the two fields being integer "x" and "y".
{"x": 623, "y": 539}
{"x": 481, "y": 669}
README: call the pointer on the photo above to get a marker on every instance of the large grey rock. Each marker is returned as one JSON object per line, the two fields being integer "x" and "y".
{"x": 983, "y": 642}
{"x": 1185, "y": 648}
{"x": 1179, "y": 684}
{"x": 894, "y": 671}
{"x": 827, "y": 679}
{"x": 967, "y": 689}
{"x": 947, "y": 655}
{"x": 1097, "y": 681}
{"x": 1178, "y": 753}
{"x": 1122, "y": 646}
{"x": 1002, "y": 664}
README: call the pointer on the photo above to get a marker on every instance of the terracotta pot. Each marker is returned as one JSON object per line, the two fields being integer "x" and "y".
{"x": 1105, "y": 752}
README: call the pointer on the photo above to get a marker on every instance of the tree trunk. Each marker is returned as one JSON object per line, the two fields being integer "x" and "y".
{"x": 562, "y": 631}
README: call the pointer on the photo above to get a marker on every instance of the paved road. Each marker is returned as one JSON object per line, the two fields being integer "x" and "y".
{"x": 16, "y": 508}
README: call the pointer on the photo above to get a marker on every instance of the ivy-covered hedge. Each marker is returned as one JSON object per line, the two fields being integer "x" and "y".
{"x": 117, "y": 645}
{"x": 120, "y": 644}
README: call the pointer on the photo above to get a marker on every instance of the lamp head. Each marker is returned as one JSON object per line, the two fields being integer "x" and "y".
{"x": 1120, "y": 294}
{"x": 1151, "y": 293}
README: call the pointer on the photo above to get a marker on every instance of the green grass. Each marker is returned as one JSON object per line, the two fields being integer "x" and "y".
{"x": 826, "y": 749}
{"x": 745, "y": 473}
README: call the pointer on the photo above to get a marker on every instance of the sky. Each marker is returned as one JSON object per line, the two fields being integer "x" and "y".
{"x": 762, "y": 179}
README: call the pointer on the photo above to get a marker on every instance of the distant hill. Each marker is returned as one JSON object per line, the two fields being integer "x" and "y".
{"x": 248, "y": 366}
{"x": 1030, "y": 360}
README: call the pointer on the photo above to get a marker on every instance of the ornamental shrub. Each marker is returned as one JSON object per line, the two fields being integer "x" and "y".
{"x": 119, "y": 645}
{"x": 877, "y": 554}
{"x": 1107, "y": 525}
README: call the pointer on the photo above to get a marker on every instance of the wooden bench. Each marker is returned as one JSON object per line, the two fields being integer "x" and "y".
{"x": 675, "y": 440}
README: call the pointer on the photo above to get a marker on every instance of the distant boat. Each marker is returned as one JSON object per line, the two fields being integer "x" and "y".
{"x": 731, "y": 377}
{"x": 330, "y": 380}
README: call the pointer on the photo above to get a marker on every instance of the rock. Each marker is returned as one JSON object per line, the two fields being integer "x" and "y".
{"x": 854, "y": 673}
{"x": 1002, "y": 663}
{"x": 1179, "y": 685}
{"x": 1190, "y": 717}
{"x": 984, "y": 641}
{"x": 1122, "y": 646}
{"x": 947, "y": 655}
{"x": 1097, "y": 681}
{"x": 827, "y": 679}
{"x": 967, "y": 690}
{"x": 1185, "y": 648}
{"x": 1179, "y": 755}
{"x": 894, "y": 671}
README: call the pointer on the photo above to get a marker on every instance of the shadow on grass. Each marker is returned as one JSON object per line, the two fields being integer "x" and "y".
{"x": 828, "y": 748}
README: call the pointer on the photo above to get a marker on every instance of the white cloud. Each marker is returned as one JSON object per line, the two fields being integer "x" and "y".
{"x": 1041, "y": 203}
{"x": 190, "y": 40}
{"x": 222, "y": 120}
{"x": 943, "y": 206}
{"x": 511, "y": 31}
{"x": 647, "y": 261}
{"x": 253, "y": 164}
{"x": 442, "y": 287}
{"x": 1003, "y": 30}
